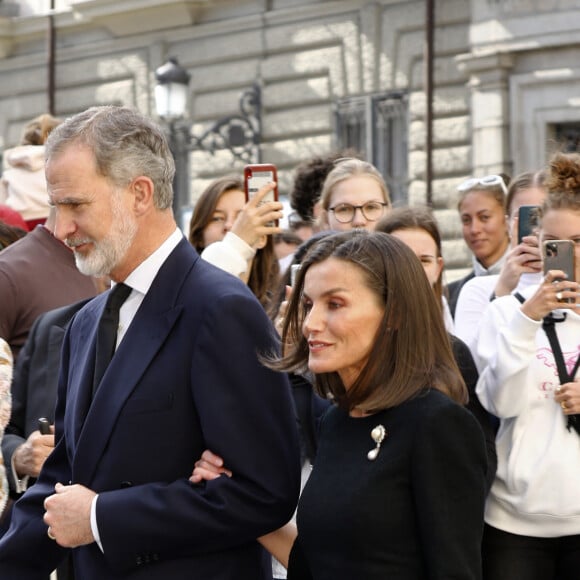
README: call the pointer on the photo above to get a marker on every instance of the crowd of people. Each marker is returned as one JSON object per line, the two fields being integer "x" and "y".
{"x": 252, "y": 401}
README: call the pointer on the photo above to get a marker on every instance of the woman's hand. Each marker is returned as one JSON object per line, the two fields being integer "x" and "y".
{"x": 210, "y": 466}
{"x": 280, "y": 542}
{"x": 523, "y": 258}
{"x": 282, "y": 310}
{"x": 568, "y": 397}
{"x": 551, "y": 295}
{"x": 257, "y": 219}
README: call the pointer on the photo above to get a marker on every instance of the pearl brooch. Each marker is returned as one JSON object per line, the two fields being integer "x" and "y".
{"x": 378, "y": 434}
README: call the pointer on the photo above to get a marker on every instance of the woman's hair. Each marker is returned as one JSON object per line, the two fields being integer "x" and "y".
{"x": 125, "y": 145}
{"x": 563, "y": 182}
{"x": 351, "y": 167}
{"x": 496, "y": 192}
{"x": 415, "y": 218}
{"x": 38, "y": 130}
{"x": 265, "y": 271}
{"x": 522, "y": 182}
{"x": 206, "y": 205}
{"x": 9, "y": 234}
{"x": 286, "y": 278}
{"x": 411, "y": 351}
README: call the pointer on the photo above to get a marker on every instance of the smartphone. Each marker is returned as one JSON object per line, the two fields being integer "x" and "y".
{"x": 44, "y": 426}
{"x": 258, "y": 175}
{"x": 559, "y": 255}
{"x": 528, "y": 221}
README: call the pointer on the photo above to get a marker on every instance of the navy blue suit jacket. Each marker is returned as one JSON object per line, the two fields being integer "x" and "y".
{"x": 186, "y": 377}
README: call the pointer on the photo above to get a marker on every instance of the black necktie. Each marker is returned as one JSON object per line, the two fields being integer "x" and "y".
{"x": 107, "y": 331}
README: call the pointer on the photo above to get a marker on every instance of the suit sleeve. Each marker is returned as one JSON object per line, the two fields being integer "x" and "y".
{"x": 246, "y": 416}
{"x": 449, "y": 466}
{"x": 27, "y": 532}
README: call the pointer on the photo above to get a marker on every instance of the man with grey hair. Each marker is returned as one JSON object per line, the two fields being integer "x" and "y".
{"x": 184, "y": 375}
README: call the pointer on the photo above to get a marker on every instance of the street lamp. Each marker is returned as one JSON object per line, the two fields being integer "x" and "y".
{"x": 239, "y": 133}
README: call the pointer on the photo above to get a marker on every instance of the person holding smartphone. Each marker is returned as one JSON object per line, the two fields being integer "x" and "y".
{"x": 236, "y": 235}
{"x": 528, "y": 349}
{"x": 522, "y": 266}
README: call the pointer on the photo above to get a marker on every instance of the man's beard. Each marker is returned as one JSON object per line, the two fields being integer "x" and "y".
{"x": 107, "y": 254}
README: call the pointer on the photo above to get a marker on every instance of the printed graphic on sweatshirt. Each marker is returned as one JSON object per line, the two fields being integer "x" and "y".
{"x": 547, "y": 358}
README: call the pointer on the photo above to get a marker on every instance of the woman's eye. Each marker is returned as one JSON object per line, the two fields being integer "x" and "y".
{"x": 307, "y": 306}
{"x": 218, "y": 219}
{"x": 333, "y": 305}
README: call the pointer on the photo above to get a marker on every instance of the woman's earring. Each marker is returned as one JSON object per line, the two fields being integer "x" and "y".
{"x": 378, "y": 434}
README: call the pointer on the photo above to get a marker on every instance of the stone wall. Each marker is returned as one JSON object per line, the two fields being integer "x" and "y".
{"x": 490, "y": 98}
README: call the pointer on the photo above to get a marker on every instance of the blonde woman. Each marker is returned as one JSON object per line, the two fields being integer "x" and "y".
{"x": 354, "y": 195}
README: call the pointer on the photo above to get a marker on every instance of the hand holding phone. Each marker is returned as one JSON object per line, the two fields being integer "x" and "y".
{"x": 559, "y": 255}
{"x": 257, "y": 176}
{"x": 44, "y": 426}
{"x": 528, "y": 221}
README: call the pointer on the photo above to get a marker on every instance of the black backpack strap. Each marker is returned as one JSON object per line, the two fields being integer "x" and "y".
{"x": 549, "y": 326}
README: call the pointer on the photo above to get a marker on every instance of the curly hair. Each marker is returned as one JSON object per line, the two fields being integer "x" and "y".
{"x": 309, "y": 178}
{"x": 563, "y": 182}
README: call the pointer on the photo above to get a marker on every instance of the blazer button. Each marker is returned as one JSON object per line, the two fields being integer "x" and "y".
{"x": 125, "y": 484}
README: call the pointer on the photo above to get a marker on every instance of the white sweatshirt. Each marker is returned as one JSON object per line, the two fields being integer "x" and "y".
{"x": 536, "y": 491}
{"x": 230, "y": 254}
{"x": 23, "y": 185}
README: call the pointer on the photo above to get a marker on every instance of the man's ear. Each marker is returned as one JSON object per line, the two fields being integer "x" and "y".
{"x": 142, "y": 188}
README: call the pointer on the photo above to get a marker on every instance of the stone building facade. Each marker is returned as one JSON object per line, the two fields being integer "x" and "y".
{"x": 332, "y": 72}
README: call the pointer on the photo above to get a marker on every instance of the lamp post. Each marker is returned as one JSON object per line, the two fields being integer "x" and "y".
{"x": 239, "y": 133}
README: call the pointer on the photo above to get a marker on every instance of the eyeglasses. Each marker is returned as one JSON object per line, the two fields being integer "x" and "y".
{"x": 483, "y": 182}
{"x": 371, "y": 210}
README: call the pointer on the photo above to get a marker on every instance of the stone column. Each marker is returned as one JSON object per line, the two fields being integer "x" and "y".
{"x": 490, "y": 123}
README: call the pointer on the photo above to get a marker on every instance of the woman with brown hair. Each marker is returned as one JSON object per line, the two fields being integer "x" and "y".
{"x": 237, "y": 236}
{"x": 482, "y": 209}
{"x": 398, "y": 486}
{"x": 417, "y": 227}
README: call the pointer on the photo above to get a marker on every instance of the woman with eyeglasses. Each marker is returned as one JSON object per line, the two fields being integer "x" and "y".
{"x": 529, "y": 353}
{"x": 354, "y": 195}
{"x": 482, "y": 211}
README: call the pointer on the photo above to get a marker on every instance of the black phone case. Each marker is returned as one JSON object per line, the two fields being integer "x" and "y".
{"x": 528, "y": 220}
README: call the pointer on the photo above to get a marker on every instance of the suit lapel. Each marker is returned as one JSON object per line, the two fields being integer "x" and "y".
{"x": 148, "y": 331}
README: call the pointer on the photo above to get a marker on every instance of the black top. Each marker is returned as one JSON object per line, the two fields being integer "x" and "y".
{"x": 454, "y": 289}
{"x": 415, "y": 513}
{"x": 488, "y": 422}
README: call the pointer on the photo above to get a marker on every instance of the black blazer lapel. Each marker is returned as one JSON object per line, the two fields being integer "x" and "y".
{"x": 147, "y": 333}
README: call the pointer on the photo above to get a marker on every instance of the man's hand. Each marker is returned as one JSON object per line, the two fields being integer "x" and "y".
{"x": 31, "y": 455}
{"x": 68, "y": 515}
